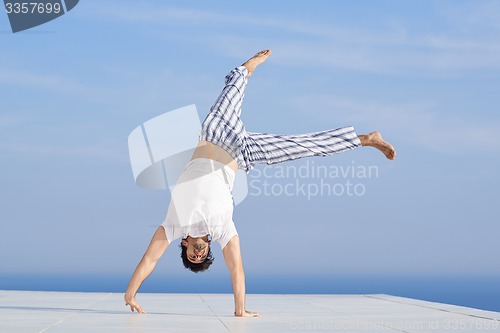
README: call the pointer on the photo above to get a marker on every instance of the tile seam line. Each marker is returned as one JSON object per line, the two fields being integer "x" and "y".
{"x": 438, "y": 309}
{"x": 74, "y": 314}
{"x": 211, "y": 310}
{"x": 357, "y": 318}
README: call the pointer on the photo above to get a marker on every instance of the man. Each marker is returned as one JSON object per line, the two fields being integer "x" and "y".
{"x": 201, "y": 206}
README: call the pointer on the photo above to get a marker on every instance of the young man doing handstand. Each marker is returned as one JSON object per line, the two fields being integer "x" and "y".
{"x": 201, "y": 206}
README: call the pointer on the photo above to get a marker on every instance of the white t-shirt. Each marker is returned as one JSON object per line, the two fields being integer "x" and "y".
{"x": 202, "y": 203}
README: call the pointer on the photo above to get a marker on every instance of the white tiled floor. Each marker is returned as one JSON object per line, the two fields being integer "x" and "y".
{"x": 53, "y": 312}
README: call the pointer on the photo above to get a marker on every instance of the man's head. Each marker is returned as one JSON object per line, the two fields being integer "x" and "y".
{"x": 196, "y": 253}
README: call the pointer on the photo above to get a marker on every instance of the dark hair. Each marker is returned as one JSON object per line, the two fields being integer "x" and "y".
{"x": 196, "y": 268}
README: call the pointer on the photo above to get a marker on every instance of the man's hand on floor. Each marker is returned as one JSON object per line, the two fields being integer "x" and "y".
{"x": 130, "y": 301}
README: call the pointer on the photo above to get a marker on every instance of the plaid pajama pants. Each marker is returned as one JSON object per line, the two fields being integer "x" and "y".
{"x": 223, "y": 127}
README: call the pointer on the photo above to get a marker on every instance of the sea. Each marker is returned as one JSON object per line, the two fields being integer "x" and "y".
{"x": 475, "y": 292}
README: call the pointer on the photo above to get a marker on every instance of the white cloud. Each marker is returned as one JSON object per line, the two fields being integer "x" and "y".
{"x": 393, "y": 48}
{"x": 100, "y": 152}
{"x": 10, "y": 120}
{"x": 419, "y": 123}
{"x": 474, "y": 15}
{"x": 45, "y": 81}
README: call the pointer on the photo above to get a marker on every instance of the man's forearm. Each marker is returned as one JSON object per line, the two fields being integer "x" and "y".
{"x": 238, "y": 281}
{"x": 142, "y": 271}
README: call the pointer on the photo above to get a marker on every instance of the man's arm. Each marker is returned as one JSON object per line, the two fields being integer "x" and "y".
{"x": 156, "y": 248}
{"x": 232, "y": 256}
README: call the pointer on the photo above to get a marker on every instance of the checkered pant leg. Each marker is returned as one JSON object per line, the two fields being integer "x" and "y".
{"x": 225, "y": 113}
{"x": 223, "y": 127}
{"x": 275, "y": 148}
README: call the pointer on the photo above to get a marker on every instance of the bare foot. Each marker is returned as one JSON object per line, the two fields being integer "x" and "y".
{"x": 258, "y": 59}
{"x": 374, "y": 139}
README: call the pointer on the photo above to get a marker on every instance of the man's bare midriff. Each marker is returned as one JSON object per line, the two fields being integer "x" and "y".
{"x": 209, "y": 150}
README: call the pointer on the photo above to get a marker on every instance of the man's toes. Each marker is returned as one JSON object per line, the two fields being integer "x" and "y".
{"x": 392, "y": 154}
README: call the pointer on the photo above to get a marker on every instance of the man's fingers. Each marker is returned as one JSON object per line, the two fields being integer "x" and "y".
{"x": 139, "y": 309}
{"x": 135, "y": 307}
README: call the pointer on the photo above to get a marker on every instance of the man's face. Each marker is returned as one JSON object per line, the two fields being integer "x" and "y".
{"x": 197, "y": 249}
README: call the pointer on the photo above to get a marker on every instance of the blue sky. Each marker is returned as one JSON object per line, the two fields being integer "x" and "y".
{"x": 424, "y": 73}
